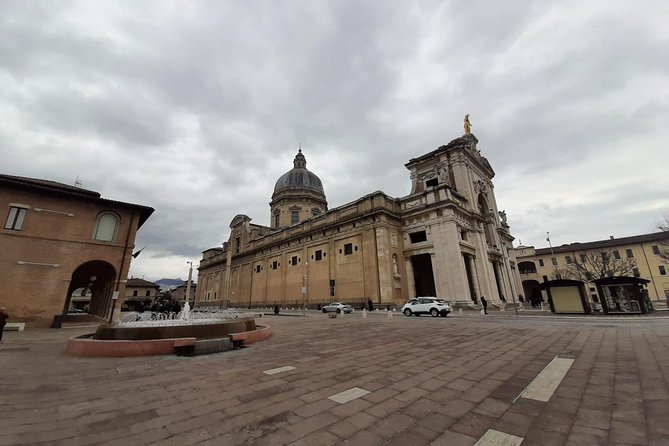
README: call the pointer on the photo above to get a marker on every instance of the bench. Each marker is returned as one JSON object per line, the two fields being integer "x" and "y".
{"x": 14, "y": 326}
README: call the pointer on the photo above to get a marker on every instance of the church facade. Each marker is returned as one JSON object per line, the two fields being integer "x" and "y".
{"x": 445, "y": 239}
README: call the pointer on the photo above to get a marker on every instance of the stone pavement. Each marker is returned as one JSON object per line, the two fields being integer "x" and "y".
{"x": 430, "y": 381}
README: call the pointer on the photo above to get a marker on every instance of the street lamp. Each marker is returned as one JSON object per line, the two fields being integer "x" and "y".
{"x": 553, "y": 260}
{"x": 190, "y": 276}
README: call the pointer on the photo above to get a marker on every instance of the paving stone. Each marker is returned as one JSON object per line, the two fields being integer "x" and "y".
{"x": 450, "y": 438}
{"x": 432, "y": 393}
{"x": 391, "y": 425}
{"x": 473, "y": 424}
{"x": 456, "y": 408}
{"x": 364, "y": 438}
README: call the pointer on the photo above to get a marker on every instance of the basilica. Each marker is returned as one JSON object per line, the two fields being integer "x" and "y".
{"x": 445, "y": 239}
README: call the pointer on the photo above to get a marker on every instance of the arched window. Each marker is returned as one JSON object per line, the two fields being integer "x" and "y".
{"x": 105, "y": 227}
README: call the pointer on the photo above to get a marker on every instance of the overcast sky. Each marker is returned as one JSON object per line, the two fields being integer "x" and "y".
{"x": 197, "y": 107}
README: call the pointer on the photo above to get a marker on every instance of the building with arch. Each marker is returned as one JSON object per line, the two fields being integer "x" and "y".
{"x": 445, "y": 239}
{"x": 642, "y": 256}
{"x": 61, "y": 243}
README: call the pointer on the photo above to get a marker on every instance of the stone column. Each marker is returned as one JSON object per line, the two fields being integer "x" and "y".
{"x": 411, "y": 284}
{"x": 475, "y": 277}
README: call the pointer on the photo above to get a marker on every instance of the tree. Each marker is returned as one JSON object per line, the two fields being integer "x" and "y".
{"x": 664, "y": 226}
{"x": 598, "y": 264}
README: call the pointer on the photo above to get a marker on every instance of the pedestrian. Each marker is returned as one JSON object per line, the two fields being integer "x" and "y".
{"x": 370, "y": 305}
{"x": 3, "y": 320}
{"x": 485, "y": 305}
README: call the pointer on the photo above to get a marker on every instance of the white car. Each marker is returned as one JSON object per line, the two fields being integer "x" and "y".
{"x": 426, "y": 305}
{"x": 337, "y": 307}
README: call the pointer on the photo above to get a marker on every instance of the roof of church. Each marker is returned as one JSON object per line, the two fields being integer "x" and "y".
{"x": 299, "y": 177}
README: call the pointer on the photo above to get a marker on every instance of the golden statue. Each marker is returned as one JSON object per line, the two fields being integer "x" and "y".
{"x": 468, "y": 125}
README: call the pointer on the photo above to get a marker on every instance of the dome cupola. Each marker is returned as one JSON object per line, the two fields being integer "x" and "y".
{"x": 298, "y": 195}
{"x": 299, "y": 178}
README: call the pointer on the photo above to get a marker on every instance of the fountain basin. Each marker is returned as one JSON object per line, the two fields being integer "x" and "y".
{"x": 114, "y": 341}
{"x": 200, "y": 330}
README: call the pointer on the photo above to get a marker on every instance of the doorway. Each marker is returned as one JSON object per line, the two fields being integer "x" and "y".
{"x": 94, "y": 279}
{"x": 423, "y": 277}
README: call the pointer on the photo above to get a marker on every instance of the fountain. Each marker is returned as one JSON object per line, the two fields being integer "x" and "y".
{"x": 199, "y": 331}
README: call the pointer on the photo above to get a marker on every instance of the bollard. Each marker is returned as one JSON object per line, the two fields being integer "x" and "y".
{"x": 459, "y": 311}
{"x": 390, "y": 315}
{"x": 364, "y": 313}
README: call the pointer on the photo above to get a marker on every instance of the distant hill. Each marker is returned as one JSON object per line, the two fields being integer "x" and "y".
{"x": 169, "y": 284}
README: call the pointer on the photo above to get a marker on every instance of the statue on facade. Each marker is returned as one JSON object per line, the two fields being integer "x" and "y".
{"x": 468, "y": 125}
{"x": 502, "y": 216}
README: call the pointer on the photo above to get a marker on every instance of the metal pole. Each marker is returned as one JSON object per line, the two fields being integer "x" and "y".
{"x": 304, "y": 289}
{"x": 190, "y": 276}
{"x": 548, "y": 239}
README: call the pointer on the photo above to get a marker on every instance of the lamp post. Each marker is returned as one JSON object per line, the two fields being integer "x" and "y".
{"x": 548, "y": 239}
{"x": 190, "y": 276}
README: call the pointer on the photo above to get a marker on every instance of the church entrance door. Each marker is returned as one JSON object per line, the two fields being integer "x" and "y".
{"x": 423, "y": 277}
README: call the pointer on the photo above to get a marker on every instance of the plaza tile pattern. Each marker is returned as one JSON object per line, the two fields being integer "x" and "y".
{"x": 431, "y": 381}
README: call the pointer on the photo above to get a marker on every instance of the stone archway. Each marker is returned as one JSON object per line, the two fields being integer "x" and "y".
{"x": 532, "y": 291}
{"x": 97, "y": 278}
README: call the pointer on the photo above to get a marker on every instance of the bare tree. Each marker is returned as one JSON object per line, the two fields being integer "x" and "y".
{"x": 598, "y": 264}
{"x": 664, "y": 226}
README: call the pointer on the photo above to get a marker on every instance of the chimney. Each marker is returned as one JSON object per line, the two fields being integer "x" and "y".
{"x": 610, "y": 237}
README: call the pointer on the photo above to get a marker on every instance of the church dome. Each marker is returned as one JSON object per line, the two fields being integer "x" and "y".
{"x": 299, "y": 178}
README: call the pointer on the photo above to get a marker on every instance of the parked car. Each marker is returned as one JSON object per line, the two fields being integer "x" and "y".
{"x": 426, "y": 305}
{"x": 337, "y": 307}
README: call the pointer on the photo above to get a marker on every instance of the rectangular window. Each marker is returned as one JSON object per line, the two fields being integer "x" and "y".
{"x": 663, "y": 270}
{"x": 545, "y": 278}
{"x": 568, "y": 260}
{"x": 135, "y": 292}
{"x": 294, "y": 217}
{"x": 553, "y": 260}
{"x": 616, "y": 254}
{"x": 348, "y": 249}
{"x": 582, "y": 257}
{"x": 656, "y": 249}
{"x": 318, "y": 255}
{"x": 629, "y": 253}
{"x": 541, "y": 262}
{"x": 293, "y": 261}
{"x": 274, "y": 265}
{"x": 417, "y": 237}
{"x": 276, "y": 220}
{"x": 148, "y": 293}
{"x": 635, "y": 271}
{"x": 432, "y": 183}
{"x": 238, "y": 242}
{"x": 15, "y": 218}
{"x": 257, "y": 268}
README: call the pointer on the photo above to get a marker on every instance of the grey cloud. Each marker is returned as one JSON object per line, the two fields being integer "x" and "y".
{"x": 204, "y": 106}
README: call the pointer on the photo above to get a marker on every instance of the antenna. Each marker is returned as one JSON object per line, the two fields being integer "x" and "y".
{"x": 77, "y": 182}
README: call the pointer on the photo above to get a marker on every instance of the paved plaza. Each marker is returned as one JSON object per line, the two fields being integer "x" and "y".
{"x": 406, "y": 381}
